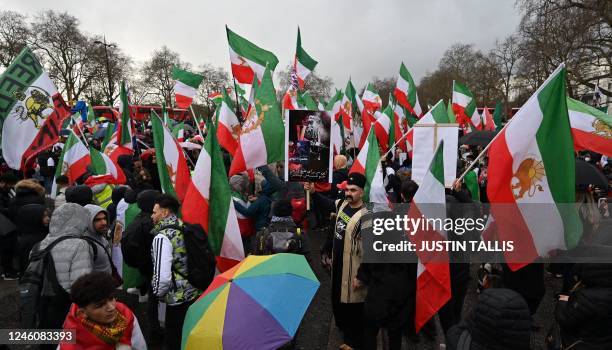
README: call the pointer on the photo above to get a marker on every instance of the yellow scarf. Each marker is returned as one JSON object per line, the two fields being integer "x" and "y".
{"x": 110, "y": 334}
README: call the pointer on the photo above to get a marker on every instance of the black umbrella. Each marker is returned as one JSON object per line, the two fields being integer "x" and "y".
{"x": 587, "y": 174}
{"x": 477, "y": 138}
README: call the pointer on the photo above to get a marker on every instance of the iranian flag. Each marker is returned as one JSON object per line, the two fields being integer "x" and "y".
{"x": 31, "y": 110}
{"x": 248, "y": 60}
{"x": 185, "y": 86}
{"x": 120, "y": 142}
{"x": 262, "y": 136}
{"x": 401, "y": 123}
{"x": 433, "y": 288}
{"x": 368, "y": 164}
{"x": 337, "y": 132}
{"x": 208, "y": 202}
{"x": 303, "y": 64}
{"x": 532, "y": 176}
{"x": 216, "y": 97}
{"x": 436, "y": 114}
{"x": 73, "y": 161}
{"x": 489, "y": 123}
{"x": 371, "y": 99}
{"x": 228, "y": 126}
{"x": 290, "y": 99}
{"x": 171, "y": 162}
{"x": 350, "y": 101}
{"x": 464, "y": 106}
{"x": 405, "y": 92}
{"x": 104, "y": 170}
{"x": 591, "y": 128}
{"x": 382, "y": 127}
{"x": 178, "y": 131}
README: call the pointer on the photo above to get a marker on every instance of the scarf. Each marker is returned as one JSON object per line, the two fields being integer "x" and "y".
{"x": 109, "y": 334}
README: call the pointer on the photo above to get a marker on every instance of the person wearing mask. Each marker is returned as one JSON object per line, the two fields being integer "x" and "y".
{"x": 32, "y": 227}
{"x": 99, "y": 320}
{"x": 170, "y": 268}
{"x": 342, "y": 254}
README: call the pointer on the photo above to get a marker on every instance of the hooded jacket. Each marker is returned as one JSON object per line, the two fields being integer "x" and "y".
{"x": 499, "y": 321}
{"x": 586, "y": 318}
{"x": 259, "y": 210}
{"x": 140, "y": 230}
{"x": 72, "y": 257}
{"x": 26, "y": 192}
{"x": 102, "y": 263}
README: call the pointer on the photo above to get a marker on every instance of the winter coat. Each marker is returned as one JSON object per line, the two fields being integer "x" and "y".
{"x": 141, "y": 227}
{"x": 500, "y": 320}
{"x": 30, "y": 231}
{"x": 102, "y": 263}
{"x": 259, "y": 210}
{"x": 586, "y": 317}
{"x": 26, "y": 192}
{"x": 72, "y": 257}
{"x": 351, "y": 257}
{"x": 170, "y": 264}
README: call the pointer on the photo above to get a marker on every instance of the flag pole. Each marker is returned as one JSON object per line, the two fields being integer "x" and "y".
{"x": 195, "y": 119}
{"x": 82, "y": 134}
{"x": 238, "y": 111}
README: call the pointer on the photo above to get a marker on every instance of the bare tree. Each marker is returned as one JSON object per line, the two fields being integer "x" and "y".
{"x": 215, "y": 80}
{"x": 156, "y": 75}
{"x": 506, "y": 56}
{"x": 14, "y": 34}
{"x": 66, "y": 51}
{"x": 119, "y": 68}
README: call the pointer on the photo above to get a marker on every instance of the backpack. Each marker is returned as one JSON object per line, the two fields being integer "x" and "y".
{"x": 39, "y": 281}
{"x": 277, "y": 240}
{"x": 201, "y": 262}
{"x": 136, "y": 247}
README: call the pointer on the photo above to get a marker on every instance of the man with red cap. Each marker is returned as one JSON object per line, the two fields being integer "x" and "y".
{"x": 342, "y": 253}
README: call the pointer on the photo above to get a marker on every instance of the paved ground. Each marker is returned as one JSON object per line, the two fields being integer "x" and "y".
{"x": 317, "y": 330}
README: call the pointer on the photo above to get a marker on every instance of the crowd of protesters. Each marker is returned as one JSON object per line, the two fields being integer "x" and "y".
{"x": 79, "y": 228}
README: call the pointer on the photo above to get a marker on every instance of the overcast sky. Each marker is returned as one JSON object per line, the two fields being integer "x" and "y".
{"x": 358, "y": 38}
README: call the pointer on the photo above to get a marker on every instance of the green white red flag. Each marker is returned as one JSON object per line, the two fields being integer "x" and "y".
{"x": 591, "y": 128}
{"x": 433, "y": 274}
{"x": 371, "y": 99}
{"x": 32, "y": 110}
{"x": 73, "y": 161}
{"x": 405, "y": 92}
{"x": 208, "y": 202}
{"x": 104, "y": 170}
{"x": 337, "y": 131}
{"x": 464, "y": 106}
{"x": 185, "y": 86}
{"x": 436, "y": 114}
{"x": 350, "y": 103}
{"x": 531, "y": 161}
{"x": 368, "y": 164}
{"x": 216, "y": 97}
{"x": 303, "y": 64}
{"x": 171, "y": 162}
{"x": 178, "y": 131}
{"x": 248, "y": 60}
{"x": 262, "y": 136}
{"x": 228, "y": 125}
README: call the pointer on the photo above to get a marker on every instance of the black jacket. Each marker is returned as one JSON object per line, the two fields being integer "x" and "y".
{"x": 499, "y": 321}
{"x": 587, "y": 315}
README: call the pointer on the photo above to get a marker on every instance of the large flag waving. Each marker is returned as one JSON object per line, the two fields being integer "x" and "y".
{"x": 405, "y": 92}
{"x": 350, "y": 101}
{"x": 433, "y": 274}
{"x": 532, "y": 161}
{"x": 31, "y": 110}
{"x": 228, "y": 125}
{"x": 591, "y": 128}
{"x": 368, "y": 164}
{"x": 186, "y": 86}
{"x": 248, "y": 59}
{"x": 371, "y": 99}
{"x": 171, "y": 162}
{"x": 337, "y": 131}
{"x": 263, "y": 133}
{"x": 104, "y": 169}
{"x": 303, "y": 64}
{"x": 209, "y": 203}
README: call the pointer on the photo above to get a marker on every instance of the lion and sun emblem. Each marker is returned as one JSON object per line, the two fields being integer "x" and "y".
{"x": 32, "y": 105}
{"x": 528, "y": 175}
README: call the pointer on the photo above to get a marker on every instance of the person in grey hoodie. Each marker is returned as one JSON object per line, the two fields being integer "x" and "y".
{"x": 72, "y": 258}
{"x": 97, "y": 228}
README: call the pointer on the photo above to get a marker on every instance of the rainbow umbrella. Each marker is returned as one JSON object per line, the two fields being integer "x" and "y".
{"x": 257, "y": 304}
